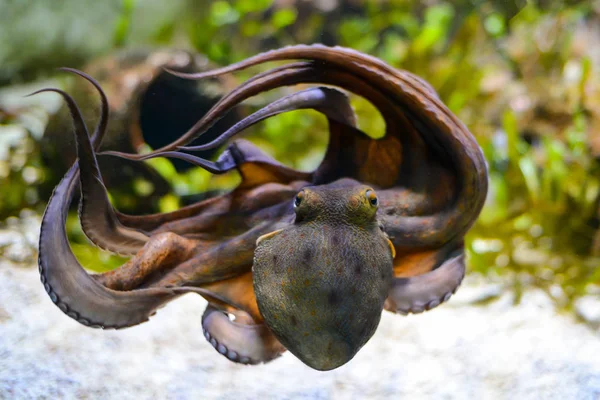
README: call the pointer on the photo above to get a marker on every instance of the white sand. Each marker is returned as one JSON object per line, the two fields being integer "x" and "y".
{"x": 457, "y": 351}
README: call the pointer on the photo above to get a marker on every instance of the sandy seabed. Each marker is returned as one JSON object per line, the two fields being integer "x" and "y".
{"x": 457, "y": 351}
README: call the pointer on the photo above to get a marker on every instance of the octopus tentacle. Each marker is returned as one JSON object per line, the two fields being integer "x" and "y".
{"x": 286, "y": 75}
{"x": 97, "y": 216}
{"x": 404, "y": 102}
{"x": 242, "y": 342}
{"x": 226, "y": 259}
{"x": 75, "y": 292}
{"x": 417, "y": 223}
{"x": 98, "y": 219}
{"x": 292, "y": 52}
{"x": 100, "y": 129}
{"x": 262, "y": 82}
{"x": 254, "y": 166}
{"x": 443, "y": 131}
{"x": 424, "y": 292}
{"x": 163, "y": 251}
{"x": 78, "y": 294}
{"x": 257, "y": 168}
{"x": 331, "y": 102}
{"x": 397, "y": 101}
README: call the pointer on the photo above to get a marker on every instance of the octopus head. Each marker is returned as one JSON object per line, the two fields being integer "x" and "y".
{"x": 321, "y": 283}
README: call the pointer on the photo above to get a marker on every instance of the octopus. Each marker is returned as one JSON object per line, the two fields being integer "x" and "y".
{"x": 287, "y": 260}
{"x": 336, "y": 259}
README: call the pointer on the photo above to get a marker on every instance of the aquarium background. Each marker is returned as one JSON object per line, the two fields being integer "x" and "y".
{"x": 524, "y": 76}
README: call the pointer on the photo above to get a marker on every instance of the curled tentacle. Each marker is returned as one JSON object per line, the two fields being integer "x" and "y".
{"x": 417, "y": 124}
{"x": 424, "y": 292}
{"x": 223, "y": 164}
{"x": 254, "y": 166}
{"x": 408, "y": 109}
{"x": 100, "y": 129}
{"x": 68, "y": 285}
{"x": 331, "y": 102}
{"x": 271, "y": 79}
{"x": 245, "y": 343}
{"x": 291, "y": 52}
{"x": 75, "y": 292}
{"x": 98, "y": 219}
{"x": 71, "y": 288}
{"x": 409, "y": 102}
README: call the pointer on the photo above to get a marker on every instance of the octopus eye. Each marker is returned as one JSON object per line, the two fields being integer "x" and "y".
{"x": 298, "y": 199}
{"x": 372, "y": 197}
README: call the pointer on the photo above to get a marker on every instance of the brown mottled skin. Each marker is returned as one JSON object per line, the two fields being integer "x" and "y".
{"x": 321, "y": 283}
{"x": 428, "y": 172}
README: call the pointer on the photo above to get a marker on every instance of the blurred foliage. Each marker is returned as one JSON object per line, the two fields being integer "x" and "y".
{"x": 22, "y": 167}
{"x": 522, "y": 75}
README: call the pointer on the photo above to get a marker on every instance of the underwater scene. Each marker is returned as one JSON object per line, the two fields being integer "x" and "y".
{"x": 316, "y": 199}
